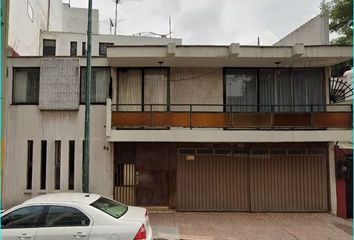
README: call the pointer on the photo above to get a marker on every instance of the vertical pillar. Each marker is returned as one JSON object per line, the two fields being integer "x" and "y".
{"x": 332, "y": 179}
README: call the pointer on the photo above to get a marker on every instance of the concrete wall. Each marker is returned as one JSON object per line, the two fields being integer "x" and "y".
{"x": 75, "y": 20}
{"x": 27, "y": 122}
{"x": 24, "y": 32}
{"x": 313, "y": 32}
{"x": 63, "y": 41}
{"x": 56, "y": 15}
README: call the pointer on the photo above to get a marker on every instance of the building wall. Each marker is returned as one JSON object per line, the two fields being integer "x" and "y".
{"x": 27, "y": 122}
{"x": 63, "y": 40}
{"x": 75, "y": 20}
{"x": 313, "y": 32}
{"x": 25, "y": 30}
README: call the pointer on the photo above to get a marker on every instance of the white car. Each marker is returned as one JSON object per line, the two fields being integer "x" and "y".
{"x": 68, "y": 216}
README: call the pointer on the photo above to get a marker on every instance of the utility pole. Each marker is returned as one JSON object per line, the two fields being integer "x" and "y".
{"x": 4, "y": 28}
{"x": 86, "y": 161}
{"x": 116, "y": 20}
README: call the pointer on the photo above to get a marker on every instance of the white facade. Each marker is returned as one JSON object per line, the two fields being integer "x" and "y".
{"x": 28, "y": 18}
{"x": 28, "y": 122}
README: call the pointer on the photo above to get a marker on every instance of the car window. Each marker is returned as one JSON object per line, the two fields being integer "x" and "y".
{"x": 60, "y": 216}
{"x": 26, "y": 217}
{"x": 113, "y": 208}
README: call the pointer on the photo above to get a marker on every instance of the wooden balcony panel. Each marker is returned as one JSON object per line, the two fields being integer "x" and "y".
{"x": 211, "y": 119}
{"x": 131, "y": 119}
{"x": 292, "y": 119}
{"x": 332, "y": 119}
{"x": 246, "y": 120}
{"x": 171, "y": 119}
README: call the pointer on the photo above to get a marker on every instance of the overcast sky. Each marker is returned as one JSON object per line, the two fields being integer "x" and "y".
{"x": 208, "y": 21}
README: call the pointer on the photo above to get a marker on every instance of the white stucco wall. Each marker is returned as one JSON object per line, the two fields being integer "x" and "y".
{"x": 313, "y": 32}
{"x": 24, "y": 33}
{"x": 75, "y": 20}
{"x": 27, "y": 122}
{"x": 63, "y": 41}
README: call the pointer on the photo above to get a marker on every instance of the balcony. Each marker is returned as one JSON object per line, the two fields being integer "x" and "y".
{"x": 159, "y": 116}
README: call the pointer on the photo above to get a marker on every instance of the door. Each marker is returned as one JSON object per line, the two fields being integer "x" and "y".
{"x": 210, "y": 182}
{"x": 64, "y": 223}
{"x": 152, "y": 174}
{"x": 279, "y": 180}
{"x": 21, "y": 224}
{"x": 292, "y": 182}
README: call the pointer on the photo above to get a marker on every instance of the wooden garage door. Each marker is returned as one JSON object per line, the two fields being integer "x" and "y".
{"x": 292, "y": 181}
{"x": 212, "y": 183}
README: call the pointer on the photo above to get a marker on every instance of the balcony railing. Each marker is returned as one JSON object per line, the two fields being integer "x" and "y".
{"x": 163, "y": 116}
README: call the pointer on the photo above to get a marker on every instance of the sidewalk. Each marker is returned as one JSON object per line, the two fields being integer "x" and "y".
{"x": 250, "y": 226}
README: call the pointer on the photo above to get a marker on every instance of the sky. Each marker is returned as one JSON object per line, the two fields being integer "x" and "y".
{"x": 207, "y": 21}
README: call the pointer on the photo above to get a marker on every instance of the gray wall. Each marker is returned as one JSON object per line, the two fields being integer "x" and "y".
{"x": 313, "y": 32}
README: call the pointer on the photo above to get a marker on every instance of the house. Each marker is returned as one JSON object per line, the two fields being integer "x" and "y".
{"x": 191, "y": 128}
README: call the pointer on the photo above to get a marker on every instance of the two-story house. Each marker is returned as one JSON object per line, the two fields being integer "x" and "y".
{"x": 192, "y": 128}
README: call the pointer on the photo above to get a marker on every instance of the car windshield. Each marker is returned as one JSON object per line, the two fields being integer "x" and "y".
{"x": 113, "y": 208}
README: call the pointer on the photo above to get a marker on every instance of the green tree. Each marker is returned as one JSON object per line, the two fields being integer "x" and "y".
{"x": 341, "y": 19}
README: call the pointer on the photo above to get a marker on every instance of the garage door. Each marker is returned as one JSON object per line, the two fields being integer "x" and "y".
{"x": 255, "y": 180}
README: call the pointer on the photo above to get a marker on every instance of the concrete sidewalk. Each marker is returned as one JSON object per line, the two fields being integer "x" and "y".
{"x": 249, "y": 226}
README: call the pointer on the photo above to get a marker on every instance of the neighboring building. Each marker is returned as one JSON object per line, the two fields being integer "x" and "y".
{"x": 314, "y": 32}
{"x": 51, "y": 27}
{"x": 28, "y": 19}
{"x": 192, "y": 128}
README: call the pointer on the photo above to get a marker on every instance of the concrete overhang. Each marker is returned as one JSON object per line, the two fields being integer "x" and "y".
{"x": 233, "y": 55}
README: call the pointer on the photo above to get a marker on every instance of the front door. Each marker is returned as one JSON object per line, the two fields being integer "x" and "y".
{"x": 152, "y": 174}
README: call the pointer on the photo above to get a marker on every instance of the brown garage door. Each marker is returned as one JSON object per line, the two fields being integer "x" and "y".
{"x": 262, "y": 181}
{"x": 212, "y": 183}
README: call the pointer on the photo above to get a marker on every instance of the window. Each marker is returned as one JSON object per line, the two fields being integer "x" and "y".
{"x": 27, "y": 217}
{"x": 59, "y": 216}
{"x": 73, "y": 48}
{"x": 57, "y": 164}
{"x": 100, "y": 84}
{"x": 25, "y": 86}
{"x": 279, "y": 90}
{"x": 49, "y": 47}
{"x": 308, "y": 90}
{"x": 43, "y": 176}
{"x": 130, "y": 89}
{"x": 275, "y": 89}
{"x": 83, "y": 50}
{"x": 241, "y": 90}
{"x": 71, "y": 164}
{"x": 29, "y": 164}
{"x": 155, "y": 89}
{"x": 113, "y": 208}
{"x": 103, "y": 48}
{"x": 142, "y": 86}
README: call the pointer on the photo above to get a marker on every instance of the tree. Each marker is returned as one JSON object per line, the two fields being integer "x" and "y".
{"x": 340, "y": 14}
